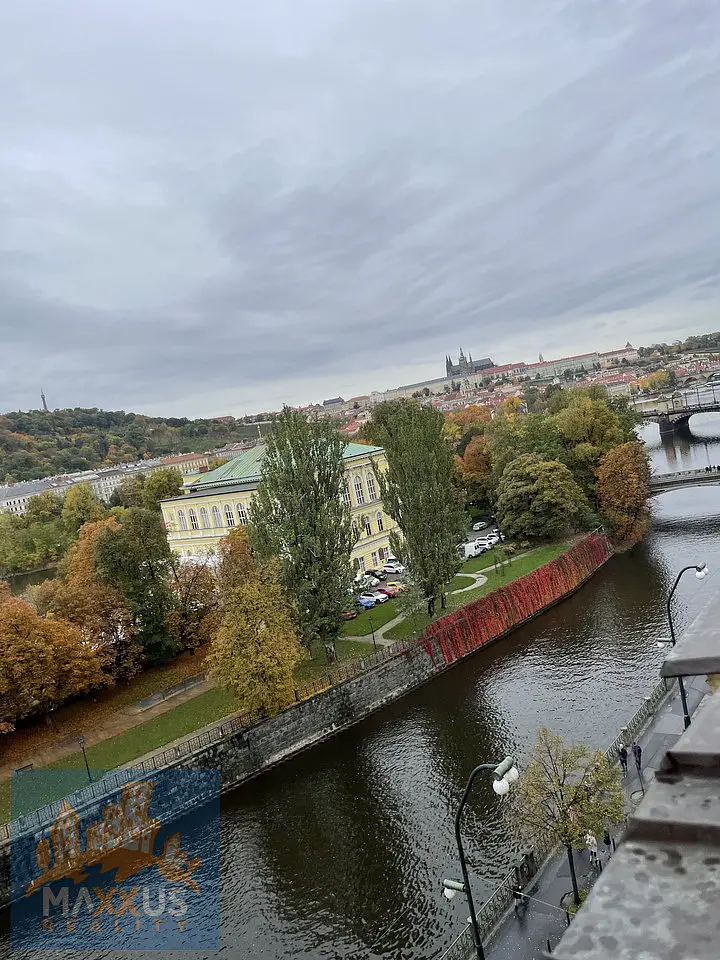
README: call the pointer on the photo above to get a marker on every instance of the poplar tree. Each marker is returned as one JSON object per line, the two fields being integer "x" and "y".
{"x": 300, "y": 516}
{"x": 419, "y": 493}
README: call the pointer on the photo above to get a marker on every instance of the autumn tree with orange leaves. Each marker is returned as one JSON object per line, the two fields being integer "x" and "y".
{"x": 97, "y": 609}
{"x": 623, "y": 490}
{"x": 43, "y": 661}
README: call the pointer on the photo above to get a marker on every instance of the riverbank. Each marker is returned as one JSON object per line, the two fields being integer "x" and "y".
{"x": 242, "y": 747}
{"x": 116, "y": 732}
{"x": 525, "y": 934}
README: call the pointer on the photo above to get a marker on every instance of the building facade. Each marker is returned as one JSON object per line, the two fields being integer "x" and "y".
{"x": 188, "y": 463}
{"x": 219, "y": 500}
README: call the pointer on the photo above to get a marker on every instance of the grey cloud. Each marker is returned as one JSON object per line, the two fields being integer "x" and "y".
{"x": 228, "y": 197}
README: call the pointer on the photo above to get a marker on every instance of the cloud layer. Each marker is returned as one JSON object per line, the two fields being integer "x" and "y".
{"x": 210, "y": 208}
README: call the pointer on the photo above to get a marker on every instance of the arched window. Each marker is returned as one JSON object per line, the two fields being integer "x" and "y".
{"x": 204, "y": 519}
{"x": 379, "y": 518}
{"x": 346, "y": 494}
{"x": 370, "y": 481}
{"x": 242, "y": 514}
{"x": 368, "y": 526}
{"x": 355, "y": 531}
{"x": 229, "y": 515}
{"x": 181, "y": 520}
{"x": 359, "y": 492}
{"x": 217, "y": 519}
{"x": 193, "y": 519}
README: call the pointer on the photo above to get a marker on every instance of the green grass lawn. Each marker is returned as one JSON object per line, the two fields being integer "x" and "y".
{"x": 318, "y": 667}
{"x": 381, "y": 614}
{"x": 517, "y": 568}
{"x": 181, "y": 721}
{"x": 459, "y": 582}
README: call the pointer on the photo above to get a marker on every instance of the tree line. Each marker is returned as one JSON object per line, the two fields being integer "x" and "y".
{"x": 555, "y": 462}
{"x": 41, "y": 536}
{"x": 552, "y": 464}
{"x": 37, "y": 443}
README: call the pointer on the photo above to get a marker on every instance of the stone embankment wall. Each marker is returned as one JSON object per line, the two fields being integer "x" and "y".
{"x": 240, "y": 752}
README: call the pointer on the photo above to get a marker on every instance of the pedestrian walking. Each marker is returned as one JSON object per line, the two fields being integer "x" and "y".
{"x": 637, "y": 753}
{"x": 592, "y": 845}
{"x": 623, "y": 756}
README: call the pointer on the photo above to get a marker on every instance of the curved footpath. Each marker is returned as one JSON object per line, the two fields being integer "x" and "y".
{"x": 478, "y": 580}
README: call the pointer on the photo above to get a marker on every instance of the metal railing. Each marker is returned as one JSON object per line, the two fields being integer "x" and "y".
{"x": 225, "y": 728}
{"x": 462, "y": 948}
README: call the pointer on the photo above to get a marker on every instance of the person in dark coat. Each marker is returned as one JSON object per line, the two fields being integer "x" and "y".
{"x": 637, "y": 753}
{"x": 623, "y": 756}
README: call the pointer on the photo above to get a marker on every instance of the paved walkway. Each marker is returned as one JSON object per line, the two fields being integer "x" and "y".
{"x": 525, "y": 936}
{"x": 478, "y": 580}
{"x": 58, "y": 746}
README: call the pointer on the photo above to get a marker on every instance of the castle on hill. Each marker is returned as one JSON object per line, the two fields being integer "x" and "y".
{"x": 466, "y": 366}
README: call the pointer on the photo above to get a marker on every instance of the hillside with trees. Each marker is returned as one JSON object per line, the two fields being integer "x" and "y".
{"x": 42, "y": 444}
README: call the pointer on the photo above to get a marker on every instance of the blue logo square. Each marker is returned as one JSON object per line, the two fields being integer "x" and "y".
{"x": 130, "y": 862}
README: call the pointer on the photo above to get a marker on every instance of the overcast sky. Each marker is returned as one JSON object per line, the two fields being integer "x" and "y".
{"x": 216, "y": 207}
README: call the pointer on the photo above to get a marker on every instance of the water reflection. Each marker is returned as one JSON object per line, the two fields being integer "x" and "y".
{"x": 340, "y": 853}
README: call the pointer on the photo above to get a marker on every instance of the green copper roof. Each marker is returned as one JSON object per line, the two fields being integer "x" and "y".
{"x": 246, "y": 467}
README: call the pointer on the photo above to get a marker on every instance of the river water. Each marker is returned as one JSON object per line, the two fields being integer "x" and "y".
{"x": 341, "y": 852}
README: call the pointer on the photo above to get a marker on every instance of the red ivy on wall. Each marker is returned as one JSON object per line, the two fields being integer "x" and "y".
{"x": 505, "y": 608}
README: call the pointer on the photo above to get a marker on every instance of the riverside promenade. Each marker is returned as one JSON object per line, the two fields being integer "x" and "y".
{"x": 524, "y": 935}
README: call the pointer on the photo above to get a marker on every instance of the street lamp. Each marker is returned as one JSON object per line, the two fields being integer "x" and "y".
{"x": 504, "y": 774}
{"x": 701, "y": 572}
{"x": 372, "y": 628}
{"x": 81, "y": 741}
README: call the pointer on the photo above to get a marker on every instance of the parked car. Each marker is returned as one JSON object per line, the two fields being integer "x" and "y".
{"x": 480, "y": 525}
{"x": 366, "y": 602}
{"x": 375, "y": 595}
{"x": 368, "y": 582}
{"x": 388, "y": 590}
{"x": 349, "y": 614}
{"x": 396, "y": 584}
{"x": 393, "y": 567}
{"x": 378, "y": 574}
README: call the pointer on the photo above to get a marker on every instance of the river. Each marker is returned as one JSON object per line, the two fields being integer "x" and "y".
{"x": 341, "y": 852}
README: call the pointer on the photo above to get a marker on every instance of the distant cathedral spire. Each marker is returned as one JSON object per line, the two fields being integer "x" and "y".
{"x": 44, "y": 401}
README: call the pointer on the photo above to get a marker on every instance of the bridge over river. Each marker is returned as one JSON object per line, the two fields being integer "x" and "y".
{"x": 705, "y": 476}
{"x": 675, "y": 411}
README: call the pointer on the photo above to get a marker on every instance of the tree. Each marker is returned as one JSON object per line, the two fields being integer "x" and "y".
{"x": 565, "y": 793}
{"x": 236, "y": 561}
{"x": 474, "y": 470}
{"x": 299, "y": 515}
{"x": 129, "y": 492}
{"x": 220, "y": 461}
{"x": 97, "y": 609}
{"x": 44, "y": 508}
{"x": 256, "y": 647}
{"x": 539, "y": 499}
{"x": 623, "y": 491}
{"x": 42, "y": 662}
{"x": 418, "y": 493}
{"x": 458, "y": 422}
{"x": 161, "y": 485}
{"x": 81, "y": 506}
{"x": 135, "y": 559}
{"x": 193, "y": 618}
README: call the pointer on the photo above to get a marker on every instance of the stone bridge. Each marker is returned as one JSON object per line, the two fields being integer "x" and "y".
{"x": 662, "y": 482}
{"x": 672, "y": 412}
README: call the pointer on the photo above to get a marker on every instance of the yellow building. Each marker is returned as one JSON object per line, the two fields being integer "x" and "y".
{"x": 188, "y": 463}
{"x": 219, "y": 500}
